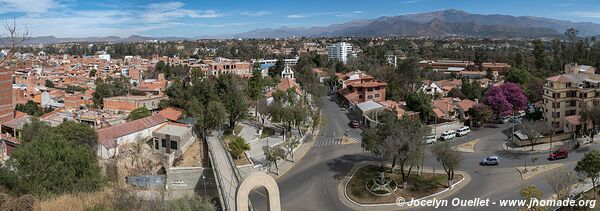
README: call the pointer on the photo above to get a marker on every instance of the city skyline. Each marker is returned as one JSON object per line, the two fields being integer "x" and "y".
{"x": 71, "y": 18}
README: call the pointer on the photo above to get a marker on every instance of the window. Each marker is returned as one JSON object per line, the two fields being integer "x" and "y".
{"x": 164, "y": 142}
{"x": 370, "y": 89}
{"x": 377, "y": 95}
{"x": 369, "y": 96}
{"x": 570, "y": 112}
{"x": 174, "y": 145}
{"x": 155, "y": 143}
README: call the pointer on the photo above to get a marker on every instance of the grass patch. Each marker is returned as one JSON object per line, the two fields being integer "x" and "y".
{"x": 243, "y": 159}
{"x": 267, "y": 131}
{"x": 419, "y": 185}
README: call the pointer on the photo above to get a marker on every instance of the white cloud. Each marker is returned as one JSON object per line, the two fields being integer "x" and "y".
{"x": 409, "y": 2}
{"x": 255, "y": 14}
{"x": 584, "y": 14}
{"x": 295, "y": 16}
{"x": 68, "y": 22}
{"x": 161, "y": 12}
{"x": 28, "y": 6}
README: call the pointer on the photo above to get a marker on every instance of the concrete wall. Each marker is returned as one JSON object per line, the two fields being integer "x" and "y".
{"x": 555, "y": 138}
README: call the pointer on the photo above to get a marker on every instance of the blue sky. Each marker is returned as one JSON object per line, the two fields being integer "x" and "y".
{"x": 73, "y": 18}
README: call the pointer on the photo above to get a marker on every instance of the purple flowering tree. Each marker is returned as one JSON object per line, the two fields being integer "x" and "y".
{"x": 497, "y": 100}
{"x": 514, "y": 95}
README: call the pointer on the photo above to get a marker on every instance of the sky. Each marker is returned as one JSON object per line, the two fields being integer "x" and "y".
{"x": 192, "y": 18}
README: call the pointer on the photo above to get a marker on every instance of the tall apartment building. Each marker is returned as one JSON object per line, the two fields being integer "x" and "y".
{"x": 339, "y": 51}
{"x": 566, "y": 95}
{"x": 6, "y": 96}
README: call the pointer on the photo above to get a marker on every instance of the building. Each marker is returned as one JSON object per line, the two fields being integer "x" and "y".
{"x": 233, "y": 67}
{"x": 566, "y": 95}
{"x": 131, "y": 102}
{"x": 287, "y": 72}
{"x": 110, "y": 138}
{"x": 340, "y": 51}
{"x": 6, "y": 95}
{"x": 358, "y": 87}
{"x": 172, "y": 138}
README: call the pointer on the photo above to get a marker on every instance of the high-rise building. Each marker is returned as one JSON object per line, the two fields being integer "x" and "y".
{"x": 6, "y": 96}
{"x": 339, "y": 51}
{"x": 566, "y": 95}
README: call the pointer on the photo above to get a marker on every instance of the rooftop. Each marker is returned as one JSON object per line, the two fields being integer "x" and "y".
{"x": 174, "y": 129}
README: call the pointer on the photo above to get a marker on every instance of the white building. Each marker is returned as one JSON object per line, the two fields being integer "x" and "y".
{"x": 339, "y": 51}
{"x": 287, "y": 72}
{"x": 104, "y": 56}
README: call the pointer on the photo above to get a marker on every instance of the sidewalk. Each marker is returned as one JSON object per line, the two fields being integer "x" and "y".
{"x": 224, "y": 171}
{"x": 546, "y": 147}
{"x": 299, "y": 153}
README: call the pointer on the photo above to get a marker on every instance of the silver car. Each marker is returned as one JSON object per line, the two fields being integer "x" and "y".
{"x": 491, "y": 160}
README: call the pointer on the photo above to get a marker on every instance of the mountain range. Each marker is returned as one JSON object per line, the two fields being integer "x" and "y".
{"x": 431, "y": 24}
{"x": 438, "y": 23}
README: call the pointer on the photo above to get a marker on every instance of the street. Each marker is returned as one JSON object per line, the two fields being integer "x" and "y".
{"x": 312, "y": 183}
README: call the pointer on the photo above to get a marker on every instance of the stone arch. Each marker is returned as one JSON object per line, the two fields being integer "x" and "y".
{"x": 254, "y": 179}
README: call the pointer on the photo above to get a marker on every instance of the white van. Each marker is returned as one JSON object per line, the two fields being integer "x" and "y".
{"x": 447, "y": 135}
{"x": 463, "y": 131}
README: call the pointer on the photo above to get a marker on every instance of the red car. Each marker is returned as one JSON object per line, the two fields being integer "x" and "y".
{"x": 354, "y": 124}
{"x": 559, "y": 154}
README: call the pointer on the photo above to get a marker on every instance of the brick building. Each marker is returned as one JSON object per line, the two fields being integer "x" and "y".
{"x": 131, "y": 102}
{"x": 6, "y": 96}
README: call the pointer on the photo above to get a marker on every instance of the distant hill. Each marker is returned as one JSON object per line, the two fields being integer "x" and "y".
{"x": 439, "y": 23}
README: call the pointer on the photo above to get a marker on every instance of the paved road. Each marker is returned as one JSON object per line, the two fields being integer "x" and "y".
{"x": 312, "y": 183}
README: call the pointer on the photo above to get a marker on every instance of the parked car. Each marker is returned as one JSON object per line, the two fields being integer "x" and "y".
{"x": 491, "y": 160}
{"x": 354, "y": 124}
{"x": 463, "y": 131}
{"x": 430, "y": 139}
{"x": 521, "y": 113}
{"x": 447, "y": 135}
{"x": 558, "y": 154}
{"x": 505, "y": 119}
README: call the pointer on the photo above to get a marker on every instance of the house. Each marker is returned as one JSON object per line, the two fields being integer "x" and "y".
{"x": 358, "y": 87}
{"x": 431, "y": 88}
{"x": 172, "y": 139}
{"x": 323, "y": 76}
{"x": 131, "y": 102}
{"x": 110, "y": 138}
{"x": 450, "y": 109}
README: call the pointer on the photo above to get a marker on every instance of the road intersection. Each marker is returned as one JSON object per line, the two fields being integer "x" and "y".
{"x": 313, "y": 182}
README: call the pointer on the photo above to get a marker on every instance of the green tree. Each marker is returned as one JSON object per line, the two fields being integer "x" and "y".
{"x": 276, "y": 69}
{"x": 49, "y": 84}
{"x": 449, "y": 158}
{"x": 539, "y": 55}
{"x": 529, "y": 193}
{"x": 232, "y": 98}
{"x": 34, "y": 130}
{"x": 78, "y": 133}
{"x": 238, "y": 146}
{"x": 54, "y": 165}
{"x": 589, "y": 167}
{"x": 481, "y": 113}
{"x": 139, "y": 113}
{"x": 518, "y": 76}
{"x": 420, "y": 102}
{"x": 289, "y": 144}
{"x": 93, "y": 73}
{"x": 254, "y": 89}
{"x": 480, "y": 57}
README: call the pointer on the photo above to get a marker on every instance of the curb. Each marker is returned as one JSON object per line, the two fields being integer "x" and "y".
{"x": 552, "y": 166}
{"x": 344, "y": 183}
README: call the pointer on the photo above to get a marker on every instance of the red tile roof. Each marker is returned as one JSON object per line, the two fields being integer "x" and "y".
{"x": 287, "y": 83}
{"x": 107, "y": 136}
{"x": 171, "y": 113}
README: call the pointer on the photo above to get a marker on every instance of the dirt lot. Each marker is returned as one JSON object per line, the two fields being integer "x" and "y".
{"x": 195, "y": 155}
